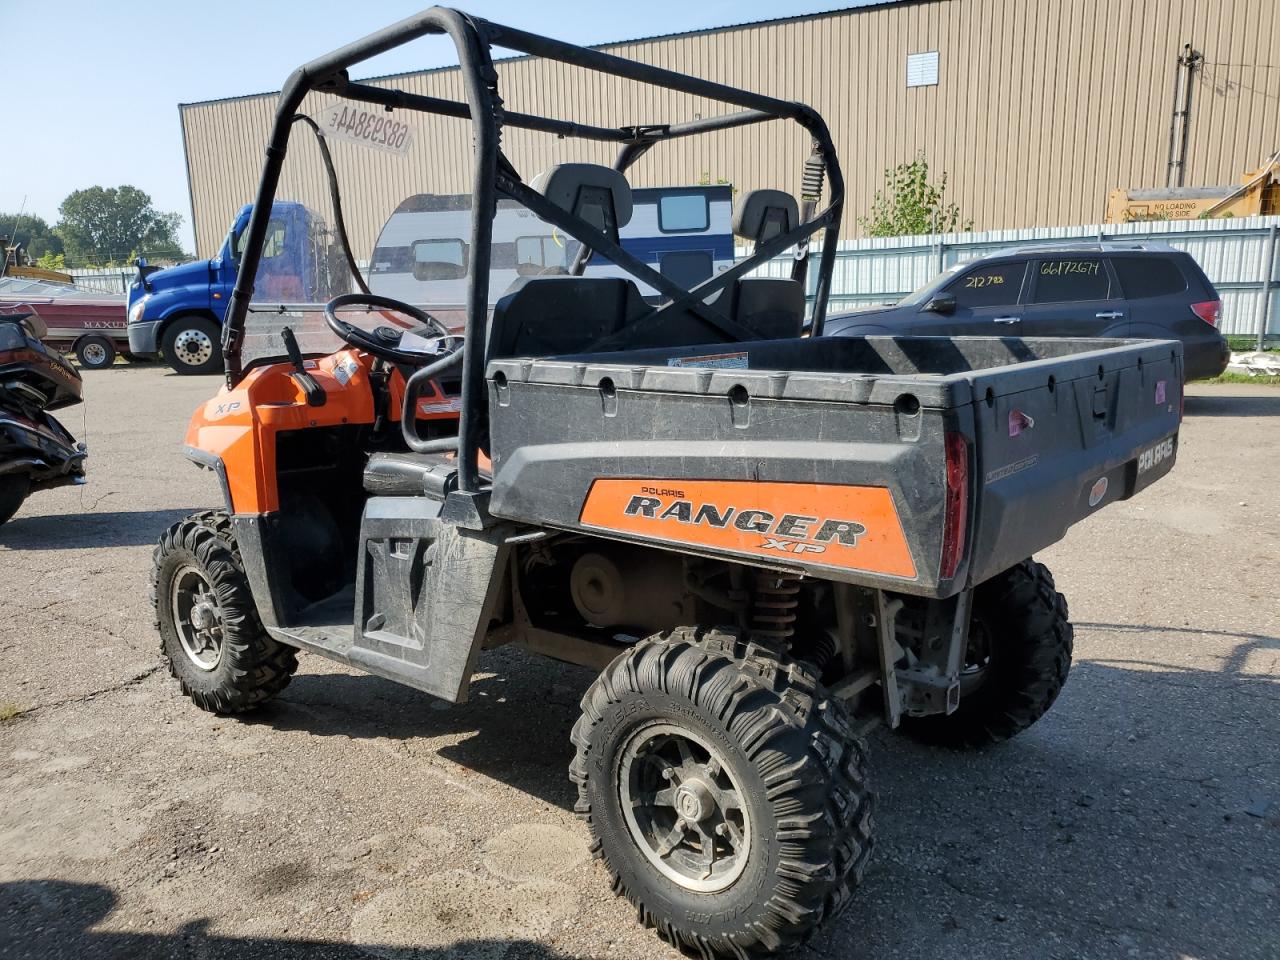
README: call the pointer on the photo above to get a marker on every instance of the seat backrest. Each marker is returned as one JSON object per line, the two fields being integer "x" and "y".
{"x": 772, "y": 306}
{"x": 762, "y": 215}
{"x": 599, "y": 195}
{"x": 550, "y": 316}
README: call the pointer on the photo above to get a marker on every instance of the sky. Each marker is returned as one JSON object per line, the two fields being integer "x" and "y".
{"x": 92, "y": 90}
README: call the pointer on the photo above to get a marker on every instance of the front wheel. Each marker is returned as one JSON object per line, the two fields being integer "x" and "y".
{"x": 14, "y": 488}
{"x": 724, "y": 791}
{"x": 1017, "y": 660}
{"x": 210, "y": 634}
{"x": 193, "y": 345}
{"x": 96, "y": 353}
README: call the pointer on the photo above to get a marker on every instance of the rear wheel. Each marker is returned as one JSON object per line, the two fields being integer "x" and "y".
{"x": 210, "y": 634}
{"x": 724, "y": 791}
{"x": 193, "y": 344}
{"x": 95, "y": 353}
{"x": 14, "y": 488}
{"x": 1017, "y": 660}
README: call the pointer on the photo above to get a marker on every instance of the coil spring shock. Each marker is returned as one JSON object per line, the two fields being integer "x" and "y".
{"x": 773, "y": 608}
{"x": 815, "y": 173}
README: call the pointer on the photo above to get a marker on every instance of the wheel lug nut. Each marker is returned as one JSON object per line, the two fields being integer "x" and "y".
{"x": 668, "y": 773}
{"x": 721, "y": 829}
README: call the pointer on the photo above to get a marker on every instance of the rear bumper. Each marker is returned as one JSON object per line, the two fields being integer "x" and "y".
{"x": 144, "y": 338}
{"x": 1207, "y": 360}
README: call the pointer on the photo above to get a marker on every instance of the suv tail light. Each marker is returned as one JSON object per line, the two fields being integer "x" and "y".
{"x": 955, "y": 515}
{"x": 1208, "y": 310}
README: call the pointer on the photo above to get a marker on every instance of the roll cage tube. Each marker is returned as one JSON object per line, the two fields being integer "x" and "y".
{"x": 473, "y": 39}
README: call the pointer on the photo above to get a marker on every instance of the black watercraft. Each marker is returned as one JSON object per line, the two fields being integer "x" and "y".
{"x": 36, "y": 451}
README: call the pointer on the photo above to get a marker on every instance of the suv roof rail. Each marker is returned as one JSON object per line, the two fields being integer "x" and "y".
{"x": 1098, "y": 246}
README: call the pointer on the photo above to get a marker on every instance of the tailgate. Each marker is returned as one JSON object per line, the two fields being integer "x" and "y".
{"x": 1056, "y": 440}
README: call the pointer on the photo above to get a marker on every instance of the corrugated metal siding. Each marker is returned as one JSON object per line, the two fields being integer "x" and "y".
{"x": 1042, "y": 107}
{"x": 1232, "y": 253}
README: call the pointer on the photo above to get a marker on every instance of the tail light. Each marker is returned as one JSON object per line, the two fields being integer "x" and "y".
{"x": 1208, "y": 310}
{"x": 956, "y": 512}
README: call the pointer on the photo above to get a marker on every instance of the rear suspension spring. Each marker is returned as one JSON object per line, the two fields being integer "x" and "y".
{"x": 774, "y": 600}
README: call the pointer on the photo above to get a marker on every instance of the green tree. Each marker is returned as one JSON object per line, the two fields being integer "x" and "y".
{"x": 107, "y": 225}
{"x": 52, "y": 261}
{"x": 32, "y": 232}
{"x": 909, "y": 204}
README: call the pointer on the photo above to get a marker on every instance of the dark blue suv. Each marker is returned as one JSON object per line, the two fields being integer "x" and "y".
{"x": 1133, "y": 291}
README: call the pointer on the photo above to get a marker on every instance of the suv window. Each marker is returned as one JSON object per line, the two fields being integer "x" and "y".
{"x": 1148, "y": 276}
{"x": 1071, "y": 279}
{"x": 993, "y": 285}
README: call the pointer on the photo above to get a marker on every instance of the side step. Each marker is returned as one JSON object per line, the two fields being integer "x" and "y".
{"x": 337, "y": 642}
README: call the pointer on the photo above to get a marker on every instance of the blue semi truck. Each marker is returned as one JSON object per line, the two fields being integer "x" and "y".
{"x": 178, "y": 311}
{"x": 419, "y": 257}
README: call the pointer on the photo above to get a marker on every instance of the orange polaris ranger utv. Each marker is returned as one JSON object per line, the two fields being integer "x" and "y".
{"x": 765, "y": 542}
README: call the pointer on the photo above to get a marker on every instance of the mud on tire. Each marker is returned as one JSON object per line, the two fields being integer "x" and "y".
{"x": 248, "y": 667}
{"x": 1023, "y": 622}
{"x": 788, "y": 749}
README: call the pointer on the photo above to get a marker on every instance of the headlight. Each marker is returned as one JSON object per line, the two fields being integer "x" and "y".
{"x": 135, "y": 312}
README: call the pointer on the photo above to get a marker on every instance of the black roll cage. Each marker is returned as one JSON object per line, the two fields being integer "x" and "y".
{"x": 474, "y": 39}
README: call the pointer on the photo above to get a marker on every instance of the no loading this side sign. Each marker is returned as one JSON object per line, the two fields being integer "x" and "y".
{"x": 828, "y": 525}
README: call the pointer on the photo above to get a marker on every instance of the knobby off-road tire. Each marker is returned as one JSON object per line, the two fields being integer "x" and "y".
{"x": 198, "y": 558}
{"x": 13, "y": 491}
{"x": 785, "y": 747}
{"x": 1020, "y": 623}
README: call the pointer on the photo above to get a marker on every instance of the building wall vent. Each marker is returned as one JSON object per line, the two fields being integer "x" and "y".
{"x": 922, "y": 69}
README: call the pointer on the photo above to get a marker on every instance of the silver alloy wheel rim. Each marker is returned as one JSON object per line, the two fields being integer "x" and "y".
{"x": 95, "y": 354}
{"x": 197, "y": 618}
{"x": 977, "y": 659}
{"x": 684, "y": 809}
{"x": 193, "y": 347}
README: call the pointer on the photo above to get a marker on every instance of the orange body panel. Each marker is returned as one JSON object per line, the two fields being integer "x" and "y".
{"x": 240, "y": 426}
{"x": 817, "y": 524}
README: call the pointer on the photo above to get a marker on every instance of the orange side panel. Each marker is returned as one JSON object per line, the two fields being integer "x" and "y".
{"x": 240, "y": 425}
{"x": 818, "y": 524}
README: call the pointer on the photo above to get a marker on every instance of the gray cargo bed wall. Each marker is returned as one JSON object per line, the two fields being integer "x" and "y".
{"x": 858, "y": 412}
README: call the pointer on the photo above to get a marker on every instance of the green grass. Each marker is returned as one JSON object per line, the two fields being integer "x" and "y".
{"x": 1230, "y": 377}
{"x": 1249, "y": 344}
{"x": 10, "y": 710}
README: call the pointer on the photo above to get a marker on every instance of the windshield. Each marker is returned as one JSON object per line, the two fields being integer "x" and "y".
{"x": 926, "y": 290}
{"x": 416, "y": 248}
{"x": 370, "y": 188}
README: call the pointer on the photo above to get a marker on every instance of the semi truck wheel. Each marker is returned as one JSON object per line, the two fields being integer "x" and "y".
{"x": 1019, "y": 653}
{"x": 724, "y": 791}
{"x": 210, "y": 634}
{"x": 95, "y": 353}
{"x": 14, "y": 488}
{"x": 193, "y": 345}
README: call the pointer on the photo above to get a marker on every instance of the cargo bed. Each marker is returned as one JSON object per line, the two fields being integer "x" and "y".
{"x": 830, "y": 456}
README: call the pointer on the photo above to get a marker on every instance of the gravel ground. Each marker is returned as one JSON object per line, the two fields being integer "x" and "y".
{"x": 353, "y": 817}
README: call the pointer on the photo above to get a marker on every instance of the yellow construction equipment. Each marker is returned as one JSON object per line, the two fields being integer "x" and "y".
{"x": 1257, "y": 193}
{"x": 17, "y": 264}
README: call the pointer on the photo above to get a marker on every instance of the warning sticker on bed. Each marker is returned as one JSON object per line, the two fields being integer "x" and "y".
{"x": 724, "y": 361}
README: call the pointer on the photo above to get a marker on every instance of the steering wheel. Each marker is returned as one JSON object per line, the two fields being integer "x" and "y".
{"x": 384, "y": 341}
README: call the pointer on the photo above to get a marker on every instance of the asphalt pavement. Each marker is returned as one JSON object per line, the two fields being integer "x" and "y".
{"x": 353, "y": 817}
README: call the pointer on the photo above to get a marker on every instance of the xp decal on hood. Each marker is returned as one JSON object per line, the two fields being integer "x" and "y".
{"x": 855, "y": 528}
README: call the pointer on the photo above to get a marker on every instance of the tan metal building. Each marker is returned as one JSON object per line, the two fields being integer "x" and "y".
{"x": 1035, "y": 109}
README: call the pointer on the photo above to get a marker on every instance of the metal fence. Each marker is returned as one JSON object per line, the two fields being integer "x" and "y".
{"x": 104, "y": 279}
{"x": 1240, "y": 256}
